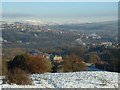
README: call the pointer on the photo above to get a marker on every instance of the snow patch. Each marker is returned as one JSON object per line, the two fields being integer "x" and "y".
{"x": 85, "y": 79}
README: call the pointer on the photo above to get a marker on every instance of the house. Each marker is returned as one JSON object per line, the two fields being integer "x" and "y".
{"x": 90, "y": 65}
{"x": 55, "y": 58}
{"x": 58, "y": 59}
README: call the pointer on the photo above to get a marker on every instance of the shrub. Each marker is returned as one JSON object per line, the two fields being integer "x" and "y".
{"x": 38, "y": 64}
{"x": 94, "y": 58}
{"x": 73, "y": 63}
{"x": 19, "y": 61}
{"x": 32, "y": 64}
{"x": 18, "y": 76}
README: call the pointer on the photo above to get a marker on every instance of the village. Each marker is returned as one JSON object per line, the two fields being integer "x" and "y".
{"x": 36, "y": 32}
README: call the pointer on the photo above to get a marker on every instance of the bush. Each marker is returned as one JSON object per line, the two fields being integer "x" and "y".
{"x": 38, "y": 64}
{"x": 19, "y": 61}
{"x": 94, "y": 58}
{"x": 18, "y": 76}
{"x": 31, "y": 64}
{"x": 73, "y": 63}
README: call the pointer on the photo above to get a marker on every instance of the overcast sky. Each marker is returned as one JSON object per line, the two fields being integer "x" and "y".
{"x": 60, "y": 12}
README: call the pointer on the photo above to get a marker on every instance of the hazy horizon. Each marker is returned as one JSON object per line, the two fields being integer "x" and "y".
{"x": 60, "y": 12}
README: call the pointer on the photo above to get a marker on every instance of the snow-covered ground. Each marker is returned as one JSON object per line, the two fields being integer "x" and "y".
{"x": 0, "y": 82}
{"x": 85, "y": 79}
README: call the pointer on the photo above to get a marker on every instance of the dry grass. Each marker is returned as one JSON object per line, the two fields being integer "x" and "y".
{"x": 18, "y": 76}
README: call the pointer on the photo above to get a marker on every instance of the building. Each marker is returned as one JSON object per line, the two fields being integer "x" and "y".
{"x": 58, "y": 59}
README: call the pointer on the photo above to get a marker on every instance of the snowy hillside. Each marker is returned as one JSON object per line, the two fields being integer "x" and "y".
{"x": 85, "y": 79}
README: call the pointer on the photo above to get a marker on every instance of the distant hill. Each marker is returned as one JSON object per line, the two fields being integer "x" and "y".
{"x": 56, "y": 35}
{"x": 109, "y": 26}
